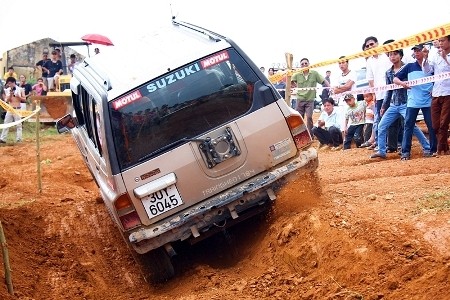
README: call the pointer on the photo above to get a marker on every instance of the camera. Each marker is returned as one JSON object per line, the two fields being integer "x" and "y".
{"x": 13, "y": 89}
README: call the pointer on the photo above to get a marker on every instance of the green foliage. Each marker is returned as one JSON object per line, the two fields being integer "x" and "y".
{"x": 29, "y": 131}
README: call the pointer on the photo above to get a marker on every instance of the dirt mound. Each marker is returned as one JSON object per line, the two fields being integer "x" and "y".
{"x": 357, "y": 229}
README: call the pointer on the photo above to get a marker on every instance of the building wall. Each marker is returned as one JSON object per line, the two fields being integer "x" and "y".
{"x": 24, "y": 58}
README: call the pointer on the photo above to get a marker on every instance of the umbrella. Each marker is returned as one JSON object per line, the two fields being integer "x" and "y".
{"x": 97, "y": 39}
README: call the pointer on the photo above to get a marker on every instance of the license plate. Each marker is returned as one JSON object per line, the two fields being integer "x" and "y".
{"x": 162, "y": 201}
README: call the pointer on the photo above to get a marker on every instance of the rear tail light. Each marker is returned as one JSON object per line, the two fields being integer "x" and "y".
{"x": 299, "y": 131}
{"x": 126, "y": 212}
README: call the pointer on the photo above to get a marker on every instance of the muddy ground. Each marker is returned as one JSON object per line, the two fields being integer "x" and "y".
{"x": 356, "y": 229}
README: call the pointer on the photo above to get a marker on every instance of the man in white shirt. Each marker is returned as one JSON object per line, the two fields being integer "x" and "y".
{"x": 346, "y": 81}
{"x": 440, "y": 105}
{"x": 377, "y": 66}
{"x": 328, "y": 127}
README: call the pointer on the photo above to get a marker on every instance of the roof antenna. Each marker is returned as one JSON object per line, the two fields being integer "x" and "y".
{"x": 171, "y": 12}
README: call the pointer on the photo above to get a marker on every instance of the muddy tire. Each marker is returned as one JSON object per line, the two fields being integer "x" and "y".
{"x": 156, "y": 266}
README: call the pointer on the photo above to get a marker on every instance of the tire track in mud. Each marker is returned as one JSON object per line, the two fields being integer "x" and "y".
{"x": 91, "y": 244}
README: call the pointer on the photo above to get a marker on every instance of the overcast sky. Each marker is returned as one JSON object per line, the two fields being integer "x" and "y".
{"x": 264, "y": 30}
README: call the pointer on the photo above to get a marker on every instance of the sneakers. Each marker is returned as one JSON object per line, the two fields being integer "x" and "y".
{"x": 378, "y": 155}
{"x": 436, "y": 154}
{"x": 405, "y": 157}
{"x": 2, "y": 142}
{"x": 365, "y": 144}
{"x": 428, "y": 154}
{"x": 324, "y": 147}
{"x": 372, "y": 147}
{"x": 336, "y": 148}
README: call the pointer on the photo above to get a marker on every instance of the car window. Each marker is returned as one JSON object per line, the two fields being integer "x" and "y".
{"x": 180, "y": 105}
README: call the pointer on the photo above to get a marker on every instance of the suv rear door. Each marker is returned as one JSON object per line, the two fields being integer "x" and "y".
{"x": 206, "y": 123}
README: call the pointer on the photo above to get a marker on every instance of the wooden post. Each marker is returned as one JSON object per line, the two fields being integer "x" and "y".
{"x": 6, "y": 261}
{"x": 287, "y": 95}
{"x": 38, "y": 151}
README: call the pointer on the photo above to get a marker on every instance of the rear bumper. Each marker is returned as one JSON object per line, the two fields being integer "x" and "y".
{"x": 228, "y": 204}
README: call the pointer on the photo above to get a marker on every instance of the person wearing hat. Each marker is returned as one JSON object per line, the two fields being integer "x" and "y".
{"x": 40, "y": 65}
{"x": 440, "y": 105}
{"x": 393, "y": 108}
{"x": 419, "y": 98}
{"x": 53, "y": 66}
{"x": 354, "y": 120}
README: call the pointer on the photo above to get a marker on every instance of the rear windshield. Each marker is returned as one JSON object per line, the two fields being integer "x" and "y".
{"x": 180, "y": 105}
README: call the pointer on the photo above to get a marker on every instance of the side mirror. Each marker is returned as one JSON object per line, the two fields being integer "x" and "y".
{"x": 65, "y": 123}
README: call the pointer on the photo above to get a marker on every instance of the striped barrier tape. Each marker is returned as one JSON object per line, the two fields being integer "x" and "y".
{"x": 25, "y": 114}
{"x": 305, "y": 89}
{"x": 22, "y": 113}
{"x": 423, "y": 80}
{"x": 425, "y": 36}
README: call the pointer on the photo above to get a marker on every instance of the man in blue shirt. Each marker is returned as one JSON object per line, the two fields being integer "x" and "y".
{"x": 419, "y": 98}
{"x": 394, "y": 107}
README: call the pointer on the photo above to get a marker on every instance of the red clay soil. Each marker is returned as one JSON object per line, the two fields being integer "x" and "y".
{"x": 357, "y": 229}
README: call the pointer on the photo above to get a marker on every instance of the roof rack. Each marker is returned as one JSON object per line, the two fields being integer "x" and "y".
{"x": 211, "y": 35}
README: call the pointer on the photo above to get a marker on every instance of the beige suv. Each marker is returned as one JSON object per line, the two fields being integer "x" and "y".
{"x": 183, "y": 141}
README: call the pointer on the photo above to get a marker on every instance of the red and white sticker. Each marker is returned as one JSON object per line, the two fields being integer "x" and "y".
{"x": 125, "y": 100}
{"x": 215, "y": 59}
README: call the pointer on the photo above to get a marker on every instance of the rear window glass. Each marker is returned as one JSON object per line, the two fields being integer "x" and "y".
{"x": 180, "y": 105}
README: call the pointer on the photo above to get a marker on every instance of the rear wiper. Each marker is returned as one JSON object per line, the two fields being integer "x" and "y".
{"x": 168, "y": 146}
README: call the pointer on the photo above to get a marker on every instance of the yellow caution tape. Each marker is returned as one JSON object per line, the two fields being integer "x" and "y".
{"x": 25, "y": 114}
{"x": 426, "y": 36}
{"x": 22, "y": 113}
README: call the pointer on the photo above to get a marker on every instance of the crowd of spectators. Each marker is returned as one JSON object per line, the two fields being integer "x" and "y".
{"x": 17, "y": 90}
{"x": 384, "y": 121}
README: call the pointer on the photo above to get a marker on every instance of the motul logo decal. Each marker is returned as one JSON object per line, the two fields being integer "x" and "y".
{"x": 130, "y": 98}
{"x": 214, "y": 60}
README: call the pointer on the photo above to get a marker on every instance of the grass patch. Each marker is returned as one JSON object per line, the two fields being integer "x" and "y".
{"x": 434, "y": 202}
{"x": 29, "y": 131}
{"x": 46, "y": 129}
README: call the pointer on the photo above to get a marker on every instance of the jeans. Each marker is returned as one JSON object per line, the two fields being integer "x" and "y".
{"x": 328, "y": 136}
{"x": 393, "y": 133}
{"x": 390, "y": 116}
{"x": 368, "y": 131}
{"x": 377, "y": 117}
{"x": 410, "y": 121}
{"x": 356, "y": 132}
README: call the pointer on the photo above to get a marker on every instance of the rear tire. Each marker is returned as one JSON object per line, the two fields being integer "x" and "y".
{"x": 156, "y": 266}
